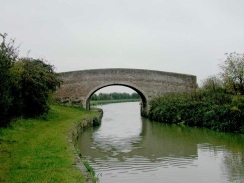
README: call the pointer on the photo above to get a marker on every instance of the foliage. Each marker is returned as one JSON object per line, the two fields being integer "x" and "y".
{"x": 232, "y": 73}
{"x": 8, "y": 55}
{"x": 218, "y": 105}
{"x": 114, "y": 96}
{"x": 102, "y": 102}
{"x": 38, "y": 80}
{"x": 215, "y": 110}
{"x": 26, "y": 84}
{"x": 212, "y": 83}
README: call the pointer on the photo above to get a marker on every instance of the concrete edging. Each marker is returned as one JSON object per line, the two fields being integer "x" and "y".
{"x": 73, "y": 135}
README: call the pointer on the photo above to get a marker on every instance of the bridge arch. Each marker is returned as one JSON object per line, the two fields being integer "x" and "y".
{"x": 144, "y": 97}
{"x": 78, "y": 86}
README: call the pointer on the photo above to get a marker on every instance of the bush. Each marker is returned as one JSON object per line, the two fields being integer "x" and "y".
{"x": 219, "y": 111}
{"x": 8, "y": 55}
{"x": 26, "y": 84}
{"x": 232, "y": 73}
{"x": 38, "y": 81}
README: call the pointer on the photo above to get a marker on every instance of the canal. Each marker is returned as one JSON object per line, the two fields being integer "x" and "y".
{"x": 127, "y": 148}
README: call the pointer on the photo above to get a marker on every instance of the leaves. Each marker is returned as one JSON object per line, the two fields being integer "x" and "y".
{"x": 26, "y": 84}
{"x": 8, "y": 55}
{"x": 215, "y": 110}
{"x": 232, "y": 73}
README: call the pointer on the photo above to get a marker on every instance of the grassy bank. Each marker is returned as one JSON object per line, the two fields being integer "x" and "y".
{"x": 218, "y": 110}
{"x": 101, "y": 102}
{"x": 37, "y": 150}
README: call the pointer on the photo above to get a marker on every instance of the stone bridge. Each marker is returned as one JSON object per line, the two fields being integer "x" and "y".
{"x": 78, "y": 86}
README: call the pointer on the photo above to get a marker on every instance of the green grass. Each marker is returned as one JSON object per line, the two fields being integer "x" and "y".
{"x": 101, "y": 102}
{"x": 37, "y": 150}
{"x": 91, "y": 171}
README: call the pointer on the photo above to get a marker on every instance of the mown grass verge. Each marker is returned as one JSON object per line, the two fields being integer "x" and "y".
{"x": 218, "y": 111}
{"x": 101, "y": 102}
{"x": 37, "y": 150}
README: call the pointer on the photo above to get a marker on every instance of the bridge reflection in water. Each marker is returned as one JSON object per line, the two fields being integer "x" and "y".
{"x": 128, "y": 148}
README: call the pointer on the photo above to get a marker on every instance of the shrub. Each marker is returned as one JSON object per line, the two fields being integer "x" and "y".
{"x": 26, "y": 84}
{"x": 8, "y": 55}
{"x": 232, "y": 73}
{"x": 215, "y": 110}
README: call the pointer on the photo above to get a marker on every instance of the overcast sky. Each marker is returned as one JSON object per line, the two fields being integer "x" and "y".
{"x": 183, "y": 36}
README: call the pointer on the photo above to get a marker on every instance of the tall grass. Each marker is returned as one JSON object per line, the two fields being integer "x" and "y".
{"x": 215, "y": 110}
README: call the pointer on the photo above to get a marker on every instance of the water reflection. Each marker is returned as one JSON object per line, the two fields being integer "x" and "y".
{"x": 114, "y": 138}
{"x": 128, "y": 148}
{"x": 233, "y": 166}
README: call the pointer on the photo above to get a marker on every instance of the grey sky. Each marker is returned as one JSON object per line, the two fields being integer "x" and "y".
{"x": 184, "y": 36}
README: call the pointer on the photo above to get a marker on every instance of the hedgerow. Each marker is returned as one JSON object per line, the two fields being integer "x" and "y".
{"x": 218, "y": 111}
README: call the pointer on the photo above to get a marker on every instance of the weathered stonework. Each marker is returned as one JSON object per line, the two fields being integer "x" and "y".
{"x": 78, "y": 86}
{"x": 73, "y": 135}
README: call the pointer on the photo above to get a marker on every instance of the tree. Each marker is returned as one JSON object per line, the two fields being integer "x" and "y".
{"x": 115, "y": 96}
{"x": 233, "y": 73}
{"x": 135, "y": 96}
{"x": 38, "y": 82}
{"x": 212, "y": 83}
{"x": 26, "y": 84}
{"x": 8, "y": 55}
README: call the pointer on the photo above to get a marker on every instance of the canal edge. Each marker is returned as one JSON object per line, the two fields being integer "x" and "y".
{"x": 72, "y": 137}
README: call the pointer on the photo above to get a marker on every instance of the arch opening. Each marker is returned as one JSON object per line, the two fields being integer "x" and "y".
{"x": 144, "y": 100}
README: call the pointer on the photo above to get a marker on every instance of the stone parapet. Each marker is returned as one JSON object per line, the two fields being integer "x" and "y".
{"x": 79, "y": 86}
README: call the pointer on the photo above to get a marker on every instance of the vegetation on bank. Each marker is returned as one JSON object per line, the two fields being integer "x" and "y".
{"x": 27, "y": 84}
{"x": 33, "y": 138}
{"x": 215, "y": 110}
{"x": 218, "y": 104}
{"x": 37, "y": 150}
{"x": 114, "y": 96}
{"x": 101, "y": 102}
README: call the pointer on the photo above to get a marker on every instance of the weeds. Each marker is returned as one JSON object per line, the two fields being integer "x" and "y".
{"x": 91, "y": 171}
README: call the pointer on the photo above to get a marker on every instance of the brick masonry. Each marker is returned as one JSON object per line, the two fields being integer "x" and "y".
{"x": 78, "y": 86}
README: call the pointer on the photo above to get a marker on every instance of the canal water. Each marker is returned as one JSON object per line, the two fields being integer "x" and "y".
{"x": 127, "y": 148}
